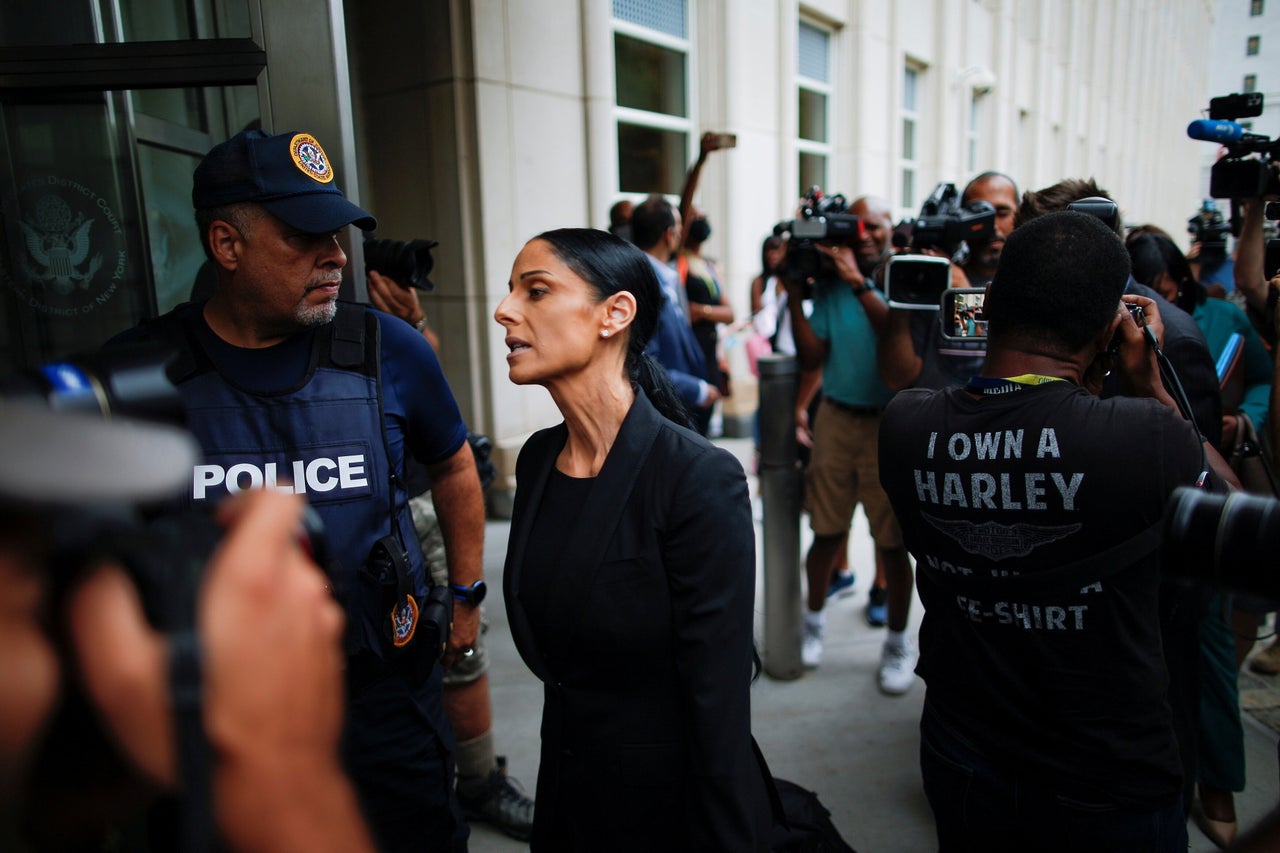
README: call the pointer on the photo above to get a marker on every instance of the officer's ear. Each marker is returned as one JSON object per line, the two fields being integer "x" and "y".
{"x": 225, "y": 241}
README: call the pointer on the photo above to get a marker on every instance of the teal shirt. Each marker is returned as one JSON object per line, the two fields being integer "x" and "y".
{"x": 1217, "y": 320}
{"x": 850, "y": 374}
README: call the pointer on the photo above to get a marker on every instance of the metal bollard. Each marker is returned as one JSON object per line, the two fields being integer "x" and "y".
{"x": 780, "y": 493}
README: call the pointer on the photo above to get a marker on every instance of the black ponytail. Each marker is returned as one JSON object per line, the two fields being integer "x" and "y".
{"x": 651, "y": 378}
{"x": 609, "y": 265}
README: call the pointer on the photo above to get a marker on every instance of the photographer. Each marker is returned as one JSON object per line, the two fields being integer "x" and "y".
{"x": 912, "y": 352}
{"x": 269, "y": 635}
{"x": 1181, "y": 607}
{"x": 839, "y": 338}
{"x": 1184, "y": 345}
{"x": 998, "y": 190}
{"x": 1038, "y": 563}
{"x": 1207, "y": 256}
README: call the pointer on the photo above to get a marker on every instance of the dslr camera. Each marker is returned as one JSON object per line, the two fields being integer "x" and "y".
{"x": 407, "y": 263}
{"x": 1230, "y": 540}
{"x": 822, "y": 219}
{"x": 917, "y": 282}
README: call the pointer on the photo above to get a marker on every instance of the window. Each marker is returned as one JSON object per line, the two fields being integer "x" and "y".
{"x": 910, "y": 116}
{"x": 1255, "y": 8}
{"x": 976, "y": 103}
{"x": 813, "y": 119}
{"x": 651, "y": 69}
{"x": 1251, "y": 46}
{"x": 1250, "y": 83}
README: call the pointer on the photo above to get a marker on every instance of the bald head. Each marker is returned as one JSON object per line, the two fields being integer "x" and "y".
{"x": 1000, "y": 192}
{"x": 877, "y": 223}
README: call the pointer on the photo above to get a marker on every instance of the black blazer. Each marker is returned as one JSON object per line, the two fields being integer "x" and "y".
{"x": 646, "y": 722}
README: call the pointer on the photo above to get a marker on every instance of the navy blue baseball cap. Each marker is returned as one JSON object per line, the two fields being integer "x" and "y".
{"x": 288, "y": 174}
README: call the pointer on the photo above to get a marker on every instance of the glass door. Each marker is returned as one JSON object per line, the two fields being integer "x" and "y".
{"x": 101, "y": 126}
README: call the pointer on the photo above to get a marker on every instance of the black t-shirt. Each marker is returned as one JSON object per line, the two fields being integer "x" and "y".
{"x": 1065, "y": 684}
{"x": 563, "y": 499}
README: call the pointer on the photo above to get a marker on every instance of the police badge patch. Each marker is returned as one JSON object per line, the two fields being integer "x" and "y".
{"x": 309, "y": 157}
{"x": 404, "y": 622}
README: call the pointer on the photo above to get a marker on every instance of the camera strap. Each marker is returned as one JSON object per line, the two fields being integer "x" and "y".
{"x": 1173, "y": 385}
{"x": 186, "y": 686}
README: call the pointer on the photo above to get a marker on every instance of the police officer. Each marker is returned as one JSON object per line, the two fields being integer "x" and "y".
{"x": 288, "y": 388}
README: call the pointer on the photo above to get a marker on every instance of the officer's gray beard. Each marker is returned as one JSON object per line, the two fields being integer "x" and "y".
{"x": 316, "y": 315}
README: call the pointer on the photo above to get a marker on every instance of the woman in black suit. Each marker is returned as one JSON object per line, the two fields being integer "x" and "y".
{"x": 630, "y": 571}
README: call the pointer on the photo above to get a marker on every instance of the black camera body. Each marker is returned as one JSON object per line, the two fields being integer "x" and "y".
{"x": 1240, "y": 176}
{"x": 404, "y": 262}
{"x": 944, "y": 223}
{"x": 129, "y": 381}
{"x": 822, "y": 219}
{"x": 1140, "y": 317}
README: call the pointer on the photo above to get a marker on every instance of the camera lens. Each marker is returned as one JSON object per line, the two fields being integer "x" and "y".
{"x": 1230, "y": 539}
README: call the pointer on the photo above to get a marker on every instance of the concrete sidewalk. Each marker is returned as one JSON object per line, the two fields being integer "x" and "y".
{"x": 831, "y": 731}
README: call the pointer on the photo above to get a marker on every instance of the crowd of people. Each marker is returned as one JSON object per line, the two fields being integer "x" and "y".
{"x": 1076, "y": 699}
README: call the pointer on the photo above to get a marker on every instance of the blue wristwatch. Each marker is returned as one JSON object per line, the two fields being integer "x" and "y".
{"x": 471, "y": 595}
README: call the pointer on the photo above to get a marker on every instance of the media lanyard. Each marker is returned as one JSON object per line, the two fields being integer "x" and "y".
{"x": 991, "y": 386}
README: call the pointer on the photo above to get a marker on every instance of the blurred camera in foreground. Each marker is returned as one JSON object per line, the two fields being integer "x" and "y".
{"x": 1231, "y": 540}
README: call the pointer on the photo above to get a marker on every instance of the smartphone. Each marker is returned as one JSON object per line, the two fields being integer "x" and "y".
{"x": 961, "y": 316}
{"x": 916, "y": 282}
{"x": 726, "y": 140}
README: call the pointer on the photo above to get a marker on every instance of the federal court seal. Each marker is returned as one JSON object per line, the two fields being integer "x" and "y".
{"x": 72, "y": 256}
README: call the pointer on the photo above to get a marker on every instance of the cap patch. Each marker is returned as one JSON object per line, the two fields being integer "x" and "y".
{"x": 310, "y": 158}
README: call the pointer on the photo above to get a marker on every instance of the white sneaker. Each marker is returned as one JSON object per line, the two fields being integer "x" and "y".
{"x": 897, "y": 668}
{"x": 811, "y": 646}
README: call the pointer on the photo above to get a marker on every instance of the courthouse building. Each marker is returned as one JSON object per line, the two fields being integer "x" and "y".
{"x": 478, "y": 123}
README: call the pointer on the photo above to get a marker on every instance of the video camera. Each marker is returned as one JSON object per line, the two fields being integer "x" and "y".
{"x": 944, "y": 223}
{"x": 1209, "y": 228}
{"x": 917, "y": 282}
{"x": 822, "y": 219}
{"x": 1239, "y": 174}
